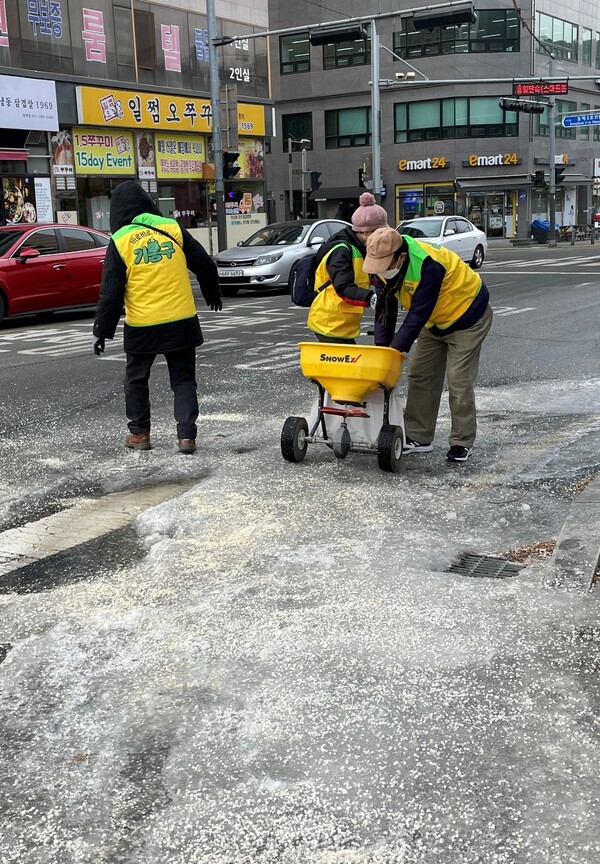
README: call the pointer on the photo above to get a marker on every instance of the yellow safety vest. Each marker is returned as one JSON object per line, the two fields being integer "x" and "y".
{"x": 158, "y": 285}
{"x": 459, "y": 286}
{"x": 330, "y": 315}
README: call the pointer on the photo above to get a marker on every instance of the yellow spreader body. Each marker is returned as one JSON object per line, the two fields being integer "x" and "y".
{"x": 350, "y": 372}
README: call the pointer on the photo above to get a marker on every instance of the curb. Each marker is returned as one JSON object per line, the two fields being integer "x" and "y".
{"x": 577, "y": 552}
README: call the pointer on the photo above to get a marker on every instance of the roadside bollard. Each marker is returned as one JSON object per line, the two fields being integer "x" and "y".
{"x": 573, "y": 234}
{"x": 593, "y": 238}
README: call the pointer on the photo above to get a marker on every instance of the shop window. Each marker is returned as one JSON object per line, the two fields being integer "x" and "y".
{"x": 348, "y": 127}
{"x": 294, "y": 53}
{"x": 560, "y": 37}
{"x": 344, "y": 54}
{"x": 496, "y": 30}
{"x": 435, "y": 119}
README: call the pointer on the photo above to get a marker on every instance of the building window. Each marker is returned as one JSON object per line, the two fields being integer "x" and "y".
{"x": 348, "y": 127}
{"x": 541, "y": 122}
{"x": 586, "y": 47}
{"x": 596, "y": 128}
{"x": 144, "y": 40}
{"x": 558, "y": 36}
{"x": 597, "y": 50}
{"x": 355, "y": 53}
{"x": 297, "y": 127}
{"x": 294, "y": 53}
{"x": 584, "y": 131}
{"x": 468, "y": 117}
{"x": 496, "y": 30}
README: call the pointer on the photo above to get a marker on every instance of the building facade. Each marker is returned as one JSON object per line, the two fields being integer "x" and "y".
{"x": 446, "y": 144}
{"x": 96, "y": 91}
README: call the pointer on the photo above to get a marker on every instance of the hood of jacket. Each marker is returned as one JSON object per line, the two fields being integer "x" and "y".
{"x": 128, "y": 201}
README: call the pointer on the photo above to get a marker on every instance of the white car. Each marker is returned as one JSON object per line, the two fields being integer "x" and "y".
{"x": 453, "y": 232}
{"x": 265, "y": 259}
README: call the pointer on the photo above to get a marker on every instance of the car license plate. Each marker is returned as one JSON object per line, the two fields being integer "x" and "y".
{"x": 225, "y": 271}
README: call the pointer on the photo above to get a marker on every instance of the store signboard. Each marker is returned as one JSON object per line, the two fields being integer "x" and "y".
{"x": 28, "y": 103}
{"x": 132, "y": 109}
{"x": 103, "y": 153}
{"x": 179, "y": 157}
{"x": 496, "y": 160}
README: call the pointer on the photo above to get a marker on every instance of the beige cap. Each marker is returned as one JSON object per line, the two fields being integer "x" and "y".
{"x": 382, "y": 247}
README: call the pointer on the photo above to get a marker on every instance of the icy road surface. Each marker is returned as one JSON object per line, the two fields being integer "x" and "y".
{"x": 280, "y": 670}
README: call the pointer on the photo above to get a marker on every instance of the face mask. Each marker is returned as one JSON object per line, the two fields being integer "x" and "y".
{"x": 389, "y": 274}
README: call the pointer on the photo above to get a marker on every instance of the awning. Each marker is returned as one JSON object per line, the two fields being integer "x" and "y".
{"x": 20, "y": 155}
{"x": 329, "y": 193}
{"x": 492, "y": 184}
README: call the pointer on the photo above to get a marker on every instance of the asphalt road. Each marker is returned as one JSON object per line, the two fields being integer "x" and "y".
{"x": 275, "y": 665}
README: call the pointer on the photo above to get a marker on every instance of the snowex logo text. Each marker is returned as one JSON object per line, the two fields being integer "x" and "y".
{"x": 344, "y": 358}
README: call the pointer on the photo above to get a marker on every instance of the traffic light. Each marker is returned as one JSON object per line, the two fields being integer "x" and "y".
{"x": 445, "y": 18}
{"x": 229, "y": 169}
{"x": 336, "y": 35}
{"x": 539, "y": 181}
{"x": 314, "y": 180}
{"x": 528, "y": 106}
{"x": 559, "y": 170}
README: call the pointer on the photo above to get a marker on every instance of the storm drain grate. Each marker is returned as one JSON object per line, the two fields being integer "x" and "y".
{"x": 484, "y": 566}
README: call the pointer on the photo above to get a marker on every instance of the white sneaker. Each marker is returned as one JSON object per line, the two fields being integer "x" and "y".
{"x": 411, "y": 446}
{"x": 458, "y": 454}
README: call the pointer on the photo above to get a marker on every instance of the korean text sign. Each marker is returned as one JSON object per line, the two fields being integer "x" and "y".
{"x": 28, "y": 103}
{"x": 105, "y": 152}
{"x": 179, "y": 156}
{"x": 133, "y": 109}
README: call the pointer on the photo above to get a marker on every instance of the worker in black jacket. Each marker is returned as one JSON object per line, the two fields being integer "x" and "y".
{"x": 146, "y": 270}
{"x": 343, "y": 288}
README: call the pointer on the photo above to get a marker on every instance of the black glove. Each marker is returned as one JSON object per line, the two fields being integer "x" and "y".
{"x": 99, "y": 347}
{"x": 216, "y": 305}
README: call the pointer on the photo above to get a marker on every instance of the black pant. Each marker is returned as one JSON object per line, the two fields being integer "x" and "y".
{"x": 182, "y": 374}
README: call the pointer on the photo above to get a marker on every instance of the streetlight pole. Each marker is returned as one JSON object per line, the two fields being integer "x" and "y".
{"x": 291, "y": 140}
{"x": 290, "y": 178}
{"x": 376, "y": 113}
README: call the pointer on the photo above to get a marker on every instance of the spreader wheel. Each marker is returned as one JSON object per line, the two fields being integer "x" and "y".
{"x": 389, "y": 448}
{"x": 293, "y": 439}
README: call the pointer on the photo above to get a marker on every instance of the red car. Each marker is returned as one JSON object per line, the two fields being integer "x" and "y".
{"x": 46, "y": 268}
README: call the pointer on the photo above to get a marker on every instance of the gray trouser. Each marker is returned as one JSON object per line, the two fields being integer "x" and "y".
{"x": 456, "y": 356}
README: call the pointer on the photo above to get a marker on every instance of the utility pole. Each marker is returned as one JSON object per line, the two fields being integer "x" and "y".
{"x": 552, "y": 159}
{"x": 215, "y": 100}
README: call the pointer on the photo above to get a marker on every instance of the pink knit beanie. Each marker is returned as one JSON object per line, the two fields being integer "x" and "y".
{"x": 368, "y": 216}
